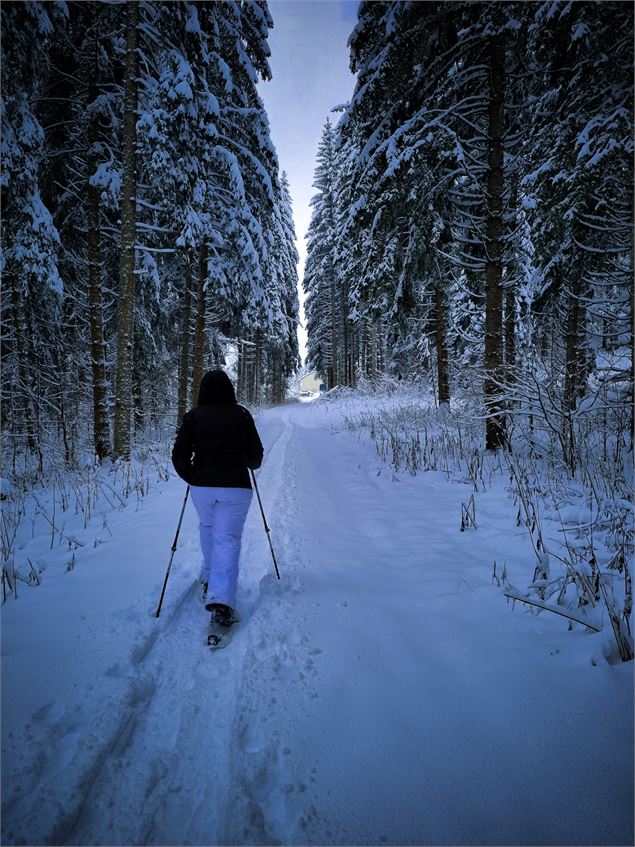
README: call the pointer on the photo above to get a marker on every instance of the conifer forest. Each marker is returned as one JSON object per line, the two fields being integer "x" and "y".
{"x": 472, "y": 222}
{"x": 145, "y": 219}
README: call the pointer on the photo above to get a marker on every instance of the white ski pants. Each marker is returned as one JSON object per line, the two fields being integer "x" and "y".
{"x": 222, "y": 513}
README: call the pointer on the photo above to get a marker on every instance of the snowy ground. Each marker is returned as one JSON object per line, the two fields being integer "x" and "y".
{"x": 382, "y": 693}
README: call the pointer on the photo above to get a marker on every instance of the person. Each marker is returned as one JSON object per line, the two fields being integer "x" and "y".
{"x": 215, "y": 446}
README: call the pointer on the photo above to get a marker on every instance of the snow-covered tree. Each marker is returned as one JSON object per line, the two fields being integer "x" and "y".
{"x": 144, "y": 177}
{"x": 323, "y": 305}
{"x": 32, "y": 285}
{"x": 481, "y": 201}
{"x": 579, "y": 169}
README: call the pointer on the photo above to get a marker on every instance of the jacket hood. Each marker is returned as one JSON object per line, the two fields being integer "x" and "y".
{"x": 216, "y": 387}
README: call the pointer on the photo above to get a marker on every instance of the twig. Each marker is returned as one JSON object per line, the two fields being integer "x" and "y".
{"x": 550, "y": 609}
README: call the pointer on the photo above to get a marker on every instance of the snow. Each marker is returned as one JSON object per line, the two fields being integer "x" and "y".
{"x": 579, "y": 30}
{"x": 108, "y": 176}
{"x": 192, "y": 24}
{"x": 382, "y": 692}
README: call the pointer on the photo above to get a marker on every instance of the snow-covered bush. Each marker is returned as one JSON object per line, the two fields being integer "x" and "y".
{"x": 72, "y": 506}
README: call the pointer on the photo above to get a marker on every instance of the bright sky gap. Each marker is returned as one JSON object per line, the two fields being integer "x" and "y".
{"x": 309, "y": 64}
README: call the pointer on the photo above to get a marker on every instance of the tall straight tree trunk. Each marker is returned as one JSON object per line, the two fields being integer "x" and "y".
{"x": 495, "y": 424}
{"x": 137, "y": 400}
{"x": 354, "y": 353}
{"x": 240, "y": 369}
{"x": 572, "y": 342}
{"x": 245, "y": 368}
{"x": 126, "y": 295}
{"x": 24, "y": 374}
{"x": 198, "y": 357}
{"x": 575, "y": 332}
{"x": 372, "y": 349}
{"x": 631, "y": 378}
{"x": 510, "y": 333}
{"x": 276, "y": 358}
{"x": 101, "y": 435}
{"x": 278, "y": 379}
{"x": 184, "y": 359}
{"x": 363, "y": 348}
{"x": 441, "y": 345}
{"x": 345, "y": 335}
{"x": 509, "y": 295}
{"x": 381, "y": 347}
{"x": 257, "y": 378}
{"x": 63, "y": 427}
{"x": 333, "y": 373}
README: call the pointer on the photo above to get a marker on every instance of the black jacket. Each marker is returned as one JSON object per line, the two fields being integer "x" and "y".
{"x": 215, "y": 445}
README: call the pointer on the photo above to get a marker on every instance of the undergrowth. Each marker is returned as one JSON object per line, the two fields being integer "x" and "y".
{"x": 60, "y": 497}
{"x": 577, "y": 515}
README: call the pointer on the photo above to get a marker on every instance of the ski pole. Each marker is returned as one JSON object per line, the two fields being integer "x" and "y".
{"x": 167, "y": 574}
{"x": 264, "y": 520}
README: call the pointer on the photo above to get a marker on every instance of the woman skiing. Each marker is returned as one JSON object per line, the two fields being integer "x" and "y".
{"x": 215, "y": 446}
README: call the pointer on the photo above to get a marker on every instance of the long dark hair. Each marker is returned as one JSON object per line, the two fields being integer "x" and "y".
{"x": 216, "y": 387}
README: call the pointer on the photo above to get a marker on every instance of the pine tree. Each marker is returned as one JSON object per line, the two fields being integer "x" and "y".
{"x": 173, "y": 190}
{"x": 481, "y": 209}
{"x": 126, "y": 291}
{"x": 577, "y": 172}
{"x": 322, "y": 306}
{"x": 32, "y": 284}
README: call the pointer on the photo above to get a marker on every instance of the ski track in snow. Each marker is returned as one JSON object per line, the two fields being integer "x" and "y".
{"x": 381, "y": 692}
{"x": 167, "y": 787}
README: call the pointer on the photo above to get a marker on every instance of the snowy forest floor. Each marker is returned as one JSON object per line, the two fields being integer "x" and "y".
{"x": 383, "y": 692}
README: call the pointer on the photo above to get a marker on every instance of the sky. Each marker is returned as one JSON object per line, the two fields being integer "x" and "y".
{"x": 309, "y": 64}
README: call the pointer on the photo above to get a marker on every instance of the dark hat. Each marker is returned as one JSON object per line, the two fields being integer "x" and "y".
{"x": 216, "y": 387}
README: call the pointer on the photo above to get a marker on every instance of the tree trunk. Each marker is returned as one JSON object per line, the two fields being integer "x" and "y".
{"x": 245, "y": 369}
{"x": 354, "y": 354}
{"x": 101, "y": 435}
{"x": 240, "y": 371}
{"x": 574, "y": 363}
{"x": 199, "y": 330}
{"x": 61, "y": 403}
{"x": 381, "y": 347}
{"x": 137, "y": 401}
{"x": 363, "y": 348}
{"x": 372, "y": 349}
{"x": 441, "y": 346}
{"x": 257, "y": 376}
{"x": 126, "y": 295}
{"x": 510, "y": 333}
{"x": 24, "y": 375}
{"x": 345, "y": 335}
{"x": 334, "y": 321}
{"x": 277, "y": 380}
{"x": 184, "y": 360}
{"x": 495, "y": 424}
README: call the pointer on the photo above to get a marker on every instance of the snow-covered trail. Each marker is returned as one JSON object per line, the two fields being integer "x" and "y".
{"x": 381, "y": 692}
